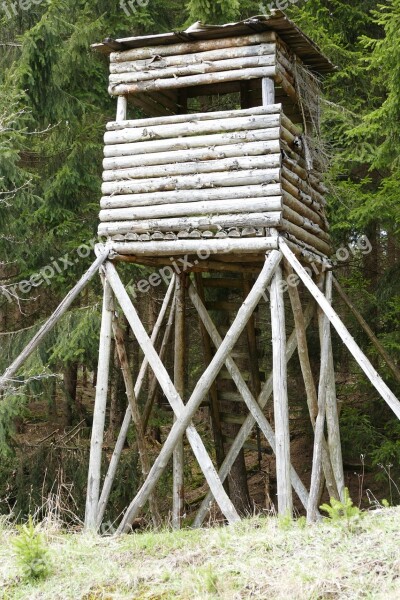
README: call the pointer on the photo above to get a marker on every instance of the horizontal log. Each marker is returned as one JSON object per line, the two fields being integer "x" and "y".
{"x": 238, "y": 123}
{"x": 296, "y": 186}
{"x": 211, "y": 223}
{"x": 288, "y": 88}
{"x": 193, "y": 208}
{"x": 159, "y": 62}
{"x": 188, "y": 182}
{"x": 305, "y": 254}
{"x": 287, "y": 123}
{"x": 305, "y": 236}
{"x": 192, "y": 168}
{"x": 228, "y": 193}
{"x": 305, "y": 223}
{"x": 197, "y": 247}
{"x": 194, "y": 117}
{"x": 199, "y": 68}
{"x": 188, "y": 143}
{"x": 305, "y": 211}
{"x": 190, "y": 47}
{"x": 198, "y": 154}
{"x": 191, "y": 80}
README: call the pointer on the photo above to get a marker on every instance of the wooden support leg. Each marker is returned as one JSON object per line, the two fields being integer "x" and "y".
{"x": 55, "y": 317}
{"x": 112, "y": 468}
{"x": 96, "y": 446}
{"x": 136, "y": 416}
{"x": 247, "y": 426}
{"x": 311, "y": 392}
{"x": 214, "y": 403}
{"x": 243, "y": 389}
{"x": 332, "y": 415}
{"x": 281, "y": 408}
{"x": 342, "y": 331}
{"x": 186, "y": 413}
{"x": 179, "y": 382}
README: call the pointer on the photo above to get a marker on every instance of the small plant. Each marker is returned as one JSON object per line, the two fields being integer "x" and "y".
{"x": 32, "y": 554}
{"x": 339, "y": 510}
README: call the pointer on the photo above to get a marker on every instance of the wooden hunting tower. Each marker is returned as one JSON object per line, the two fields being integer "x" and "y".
{"x": 219, "y": 184}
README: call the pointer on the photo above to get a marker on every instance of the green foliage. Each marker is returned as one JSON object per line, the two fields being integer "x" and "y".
{"x": 213, "y": 11}
{"x": 32, "y": 553}
{"x": 339, "y": 511}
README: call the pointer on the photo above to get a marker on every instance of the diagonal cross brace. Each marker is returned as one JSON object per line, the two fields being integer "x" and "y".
{"x": 185, "y": 414}
{"x": 254, "y": 408}
{"x": 249, "y": 423}
{"x": 342, "y": 331}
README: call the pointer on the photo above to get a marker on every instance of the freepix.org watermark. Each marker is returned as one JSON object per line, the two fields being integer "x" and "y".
{"x": 11, "y": 9}
{"x": 46, "y": 274}
{"x": 130, "y": 7}
{"x": 361, "y": 246}
{"x": 266, "y": 9}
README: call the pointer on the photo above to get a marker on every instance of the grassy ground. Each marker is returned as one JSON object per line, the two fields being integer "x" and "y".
{"x": 258, "y": 558}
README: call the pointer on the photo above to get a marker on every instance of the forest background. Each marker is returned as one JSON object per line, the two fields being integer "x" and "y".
{"x": 53, "y": 110}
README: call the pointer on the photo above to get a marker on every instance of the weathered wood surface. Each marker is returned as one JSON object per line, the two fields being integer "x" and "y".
{"x": 254, "y": 408}
{"x": 136, "y": 416}
{"x": 183, "y": 414}
{"x": 113, "y": 465}
{"x": 199, "y": 247}
{"x": 190, "y": 142}
{"x": 62, "y": 308}
{"x": 248, "y": 425}
{"x": 191, "y": 80}
{"x": 179, "y": 382}
{"x": 99, "y": 413}
{"x": 215, "y": 223}
{"x": 236, "y": 163}
{"x": 343, "y": 332}
{"x": 281, "y": 406}
{"x": 256, "y": 120}
{"x": 177, "y": 196}
{"x": 114, "y": 167}
{"x": 202, "y": 385}
{"x": 191, "y": 47}
{"x": 156, "y": 63}
{"x": 221, "y": 207}
{"x": 191, "y": 69}
{"x": 189, "y": 182}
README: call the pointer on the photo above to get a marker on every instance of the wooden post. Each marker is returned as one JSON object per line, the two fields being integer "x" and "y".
{"x": 342, "y": 331}
{"x": 332, "y": 414}
{"x": 268, "y": 91}
{"x": 55, "y": 317}
{"x": 122, "y": 107}
{"x": 96, "y": 445}
{"x": 281, "y": 408}
{"x": 179, "y": 382}
{"x": 244, "y": 391}
{"x": 186, "y": 413}
{"x": 214, "y": 403}
{"x": 112, "y": 468}
{"x": 247, "y": 426}
{"x": 395, "y": 371}
{"x": 136, "y": 416}
{"x": 311, "y": 392}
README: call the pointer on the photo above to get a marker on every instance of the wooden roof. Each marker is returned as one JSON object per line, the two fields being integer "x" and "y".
{"x": 278, "y": 22}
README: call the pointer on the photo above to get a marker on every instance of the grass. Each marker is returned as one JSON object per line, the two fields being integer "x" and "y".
{"x": 257, "y": 558}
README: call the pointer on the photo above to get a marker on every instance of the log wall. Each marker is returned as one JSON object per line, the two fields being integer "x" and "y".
{"x": 221, "y": 174}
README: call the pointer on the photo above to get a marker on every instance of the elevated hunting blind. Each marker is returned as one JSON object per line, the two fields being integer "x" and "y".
{"x": 218, "y": 185}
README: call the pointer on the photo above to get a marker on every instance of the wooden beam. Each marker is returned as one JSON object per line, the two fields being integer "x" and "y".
{"x": 247, "y": 426}
{"x": 281, "y": 408}
{"x": 179, "y": 382}
{"x": 136, "y": 416}
{"x": 62, "y": 308}
{"x": 381, "y": 350}
{"x": 243, "y": 389}
{"x": 197, "y": 396}
{"x": 343, "y": 332}
{"x": 99, "y": 414}
{"x": 112, "y": 468}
